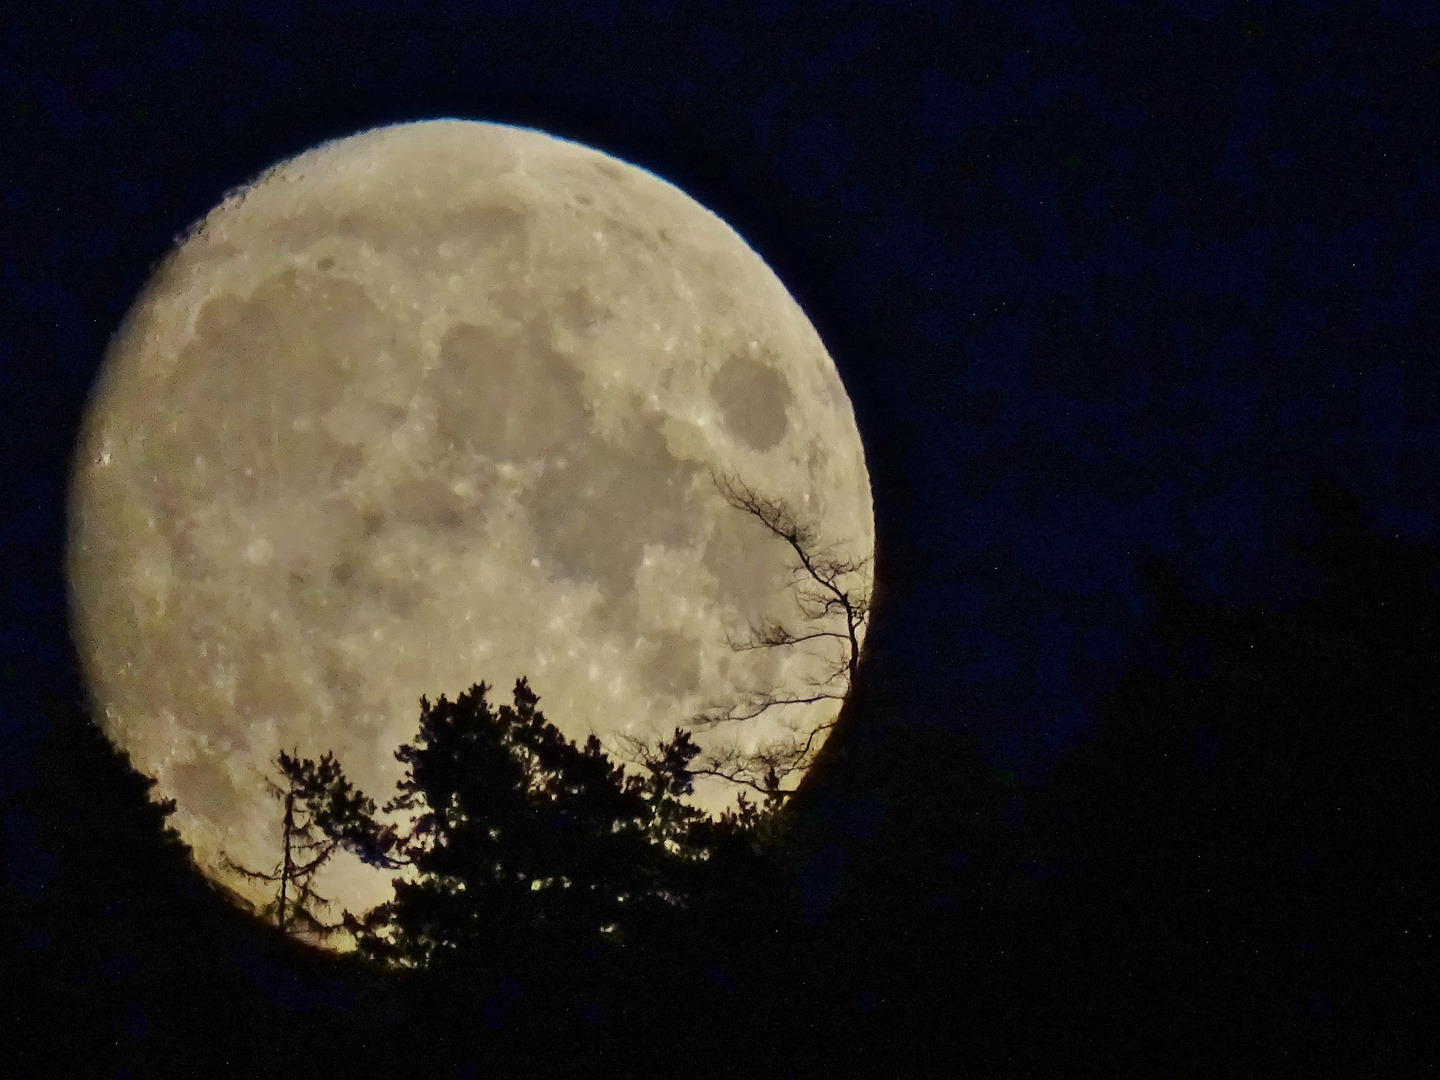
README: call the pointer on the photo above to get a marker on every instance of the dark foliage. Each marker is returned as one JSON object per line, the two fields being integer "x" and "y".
{"x": 323, "y": 814}
{"x": 522, "y": 841}
{"x": 1232, "y": 873}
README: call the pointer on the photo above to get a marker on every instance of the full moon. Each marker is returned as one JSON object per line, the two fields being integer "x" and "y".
{"x": 436, "y": 404}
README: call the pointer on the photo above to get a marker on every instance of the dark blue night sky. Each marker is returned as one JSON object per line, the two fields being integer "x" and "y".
{"x": 1105, "y": 281}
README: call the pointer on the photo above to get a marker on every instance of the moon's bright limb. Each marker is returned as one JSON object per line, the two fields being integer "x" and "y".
{"x": 432, "y": 405}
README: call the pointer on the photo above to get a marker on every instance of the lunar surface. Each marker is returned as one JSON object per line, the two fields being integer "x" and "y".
{"x": 431, "y": 405}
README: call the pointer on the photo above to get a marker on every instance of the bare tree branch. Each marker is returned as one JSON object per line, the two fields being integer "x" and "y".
{"x": 835, "y": 608}
{"x": 818, "y": 564}
{"x": 772, "y": 635}
{"x": 832, "y": 594}
{"x": 766, "y": 768}
{"x": 712, "y": 719}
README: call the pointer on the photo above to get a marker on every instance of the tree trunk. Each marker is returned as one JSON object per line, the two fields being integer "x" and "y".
{"x": 288, "y": 866}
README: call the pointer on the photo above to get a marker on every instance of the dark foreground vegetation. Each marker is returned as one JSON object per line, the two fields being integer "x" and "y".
{"x": 1231, "y": 877}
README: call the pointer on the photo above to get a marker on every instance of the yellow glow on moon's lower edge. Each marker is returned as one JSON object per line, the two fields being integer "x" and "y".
{"x": 355, "y": 445}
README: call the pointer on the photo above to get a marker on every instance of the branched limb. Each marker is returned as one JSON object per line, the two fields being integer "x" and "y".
{"x": 253, "y": 875}
{"x": 772, "y": 634}
{"x": 323, "y": 813}
{"x": 735, "y": 714}
{"x": 819, "y": 570}
{"x": 767, "y": 768}
{"x": 832, "y": 594}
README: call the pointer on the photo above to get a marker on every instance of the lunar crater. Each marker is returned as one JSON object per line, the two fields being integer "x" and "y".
{"x": 753, "y": 397}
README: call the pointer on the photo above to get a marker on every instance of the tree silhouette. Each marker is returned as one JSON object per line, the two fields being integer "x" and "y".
{"x": 323, "y": 813}
{"x": 833, "y": 593}
{"x": 518, "y": 837}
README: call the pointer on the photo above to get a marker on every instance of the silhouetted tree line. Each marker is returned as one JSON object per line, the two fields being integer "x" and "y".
{"x": 542, "y": 883}
{"x": 1230, "y": 874}
{"x": 516, "y": 836}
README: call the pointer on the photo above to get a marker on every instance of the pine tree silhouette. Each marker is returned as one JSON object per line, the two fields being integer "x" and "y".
{"x": 323, "y": 813}
{"x": 522, "y": 842}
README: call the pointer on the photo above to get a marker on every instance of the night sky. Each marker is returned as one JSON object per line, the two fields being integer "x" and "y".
{"x": 1102, "y": 280}
{"x": 1105, "y": 281}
